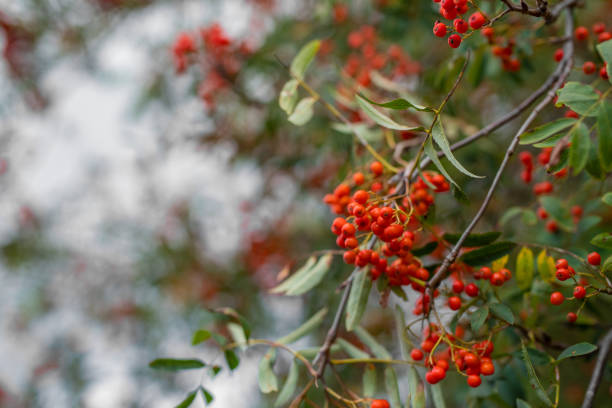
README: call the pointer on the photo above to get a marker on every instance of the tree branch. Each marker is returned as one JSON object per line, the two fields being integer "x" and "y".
{"x": 602, "y": 357}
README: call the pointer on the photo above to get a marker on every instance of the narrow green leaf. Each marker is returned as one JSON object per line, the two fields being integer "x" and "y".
{"x": 399, "y": 104}
{"x": 232, "y": 359}
{"x": 380, "y": 118}
{"x": 426, "y": 249}
{"x": 303, "y": 111}
{"x": 377, "y": 349}
{"x": 578, "y": 97}
{"x": 522, "y": 404}
{"x": 524, "y": 268}
{"x": 392, "y": 387}
{"x": 550, "y": 142}
{"x": 290, "y": 281}
{"x": 605, "y": 50}
{"x": 534, "y": 381}
{"x": 545, "y": 131}
{"x": 288, "y": 96}
{"x": 478, "y": 318}
{"x": 200, "y": 336}
{"x": 440, "y": 138}
{"x": 546, "y": 268}
{"x": 188, "y": 400}
{"x": 473, "y": 240}
{"x": 313, "y": 278}
{"x": 607, "y": 198}
{"x": 238, "y": 334}
{"x": 369, "y": 381}
{"x": 304, "y": 57}
{"x": 488, "y": 253}
{"x": 579, "y": 150}
{"x": 603, "y": 240}
{"x": 351, "y": 350}
{"x": 417, "y": 390}
{"x": 267, "y": 379}
{"x": 555, "y": 208}
{"x": 290, "y": 385}
{"x": 502, "y": 312}
{"x": 430, "y": 151}
{"x": 208, "y": 397}
{"x": 358, "y": 299}
{"x": 604, "y": 139}
{"x": 305, "y": 328}
{"x": 576, "y": 350}
{"x": 171, "y": 364}
{"x": 437, "y": 396}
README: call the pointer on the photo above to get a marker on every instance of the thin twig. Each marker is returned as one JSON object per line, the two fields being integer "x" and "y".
{"x": 602, "y": 357}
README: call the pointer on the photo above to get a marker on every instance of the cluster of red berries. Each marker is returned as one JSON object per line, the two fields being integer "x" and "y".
{"x": 220, "y": 59}
{"x": 472, "y": 362}
{"x": 450, "y": 10}
{"x": 582, "y": 34}
{"x": 565, "y": 272}
{"x": 367, "y": 56}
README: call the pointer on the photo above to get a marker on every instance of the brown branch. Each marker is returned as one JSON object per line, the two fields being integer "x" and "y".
{"x": 602, "y": 357}
{"x": 561, "y": 74}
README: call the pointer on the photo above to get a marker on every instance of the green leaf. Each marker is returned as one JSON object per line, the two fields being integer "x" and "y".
{"x": 430, "y": 151}
{"x": 290, "y": 281}
{"x": 303, "y": 111}
{"x": 607, "y": 265}
{"x": 594, "y": 166}
{"x": 288, "y": 96}
{"x": 473, "y": 240}
{"x": 208, "y": 397}
{"x": 377, "y": 349}
{"x": 528, "y": 217}
{"x": 214, "y": 370}
{"x": 545, "y": 131}
{"x": 302, "y": 60}
{"x": 524, "y": 268}
{"x": 605, "y": 50}
{"x": 228, "y": 312}
{"x": 200, "y": 336}
{"x": 437, "y": 396}
{"x": 534, "y": 381}
{"x": 579, "y": 150}
{"x": 563, "y": 161}
{"x": 546, "y": 267}
{"x": 188, "y": 400}
{"x": 487, "y": 254}
{"x": 607, "y": 198}
{"x": 550, "y": 142}
{"x": 369, "y": 381}
{"x": 604, "y": 140}
{"x": 267, "y": 379}
{"x": 417, "y": 391}
{"x": 440, "y": 138}
{"x": 380, "y": 118}
{"x": 290, "y": 385}
{"x": 509, "y": 214}
{"x": 305, "y": 328}
{"x": 576, "y": 350}
{"x": 306, "y": 278}
{"x": 498, "y": 264}
{"x": 603, "y": 240}
{"x": 232, "y": 359}
{"x": 478, "y": 318}
{"x": 502, "y": 312}
{"x": 555, "y": 208}
{"x": 351, "y": 350}
{"x": 522, "y": 404}
{"x": 399, "y": 104}
{"x": 392, "y": 387}
{"x": 358, "y": 299}
{"x": 171, "y": 364}
{"x": 578, "y": 97}
{"x": 426, "y": 249}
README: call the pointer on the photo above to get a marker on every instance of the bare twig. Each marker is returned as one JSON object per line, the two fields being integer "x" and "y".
{"x": 602, "y": 357}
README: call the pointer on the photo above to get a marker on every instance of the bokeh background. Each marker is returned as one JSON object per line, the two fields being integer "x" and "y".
{"x": 133, "y": 198}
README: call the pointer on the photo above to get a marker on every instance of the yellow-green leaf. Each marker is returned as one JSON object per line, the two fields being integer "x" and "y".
{"x": 524, "y": 268}
{"x": 302, "y": 60}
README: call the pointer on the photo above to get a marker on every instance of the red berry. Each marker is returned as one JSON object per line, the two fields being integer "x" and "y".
{"x": 477, "y": 20}
{"x": 358, "y": 178}
{"x": 416, "y": 354}
{"x": 471, "y": 360}
{"x": 603, "y": 73}
{"x": 454, "y": 302}
{"x": 577, "y": 211}
{"x": 454, "y": 40}
{"x": 380, "y": 403}
{"x": 589, "y": 68}
{"x": 460, "y": 25}
{"x": 562, "y": 274}
{"x": 571, "y": 317}
{"x": 487, "y": 368}
{"x": 603, "y": 37}
{"x": 361, "y": 196}
{"x": 497, "y": 279}
{"x": 581, "y": 33}
{"x": 349, "y": 257}
{"x": 594, "y": 258}
{"x": 427, "y": 345}
{"x": 579, "y": 292}
{"x": 558, "y": 55}
{"x": 439, "y": 372}
{"x": 542, "y": 213}
{"x": 376, "y": 168}
{"x": 471, "y": 290}
{"x": 599, "y": 28}
{"x": 439, "y": 29}
{"x": 474, "y": 381}
{"x": 458, "y": 286}
{"x": 348, "y": 229}
{"x": 561, "y": 263}
{"x": 556, "y": 298}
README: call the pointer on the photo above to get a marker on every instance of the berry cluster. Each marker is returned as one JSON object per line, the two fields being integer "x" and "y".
{"x": 452, "y": 10}
{"x": 582, "y": 34}
{"x": 215, "y": 53}
{"x": 472, "y": 362}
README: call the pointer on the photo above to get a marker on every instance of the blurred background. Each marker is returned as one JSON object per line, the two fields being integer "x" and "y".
{"x": 141, "y": 187}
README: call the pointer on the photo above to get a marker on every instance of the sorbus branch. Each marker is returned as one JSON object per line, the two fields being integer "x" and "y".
{"x": 602, "y": 357}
